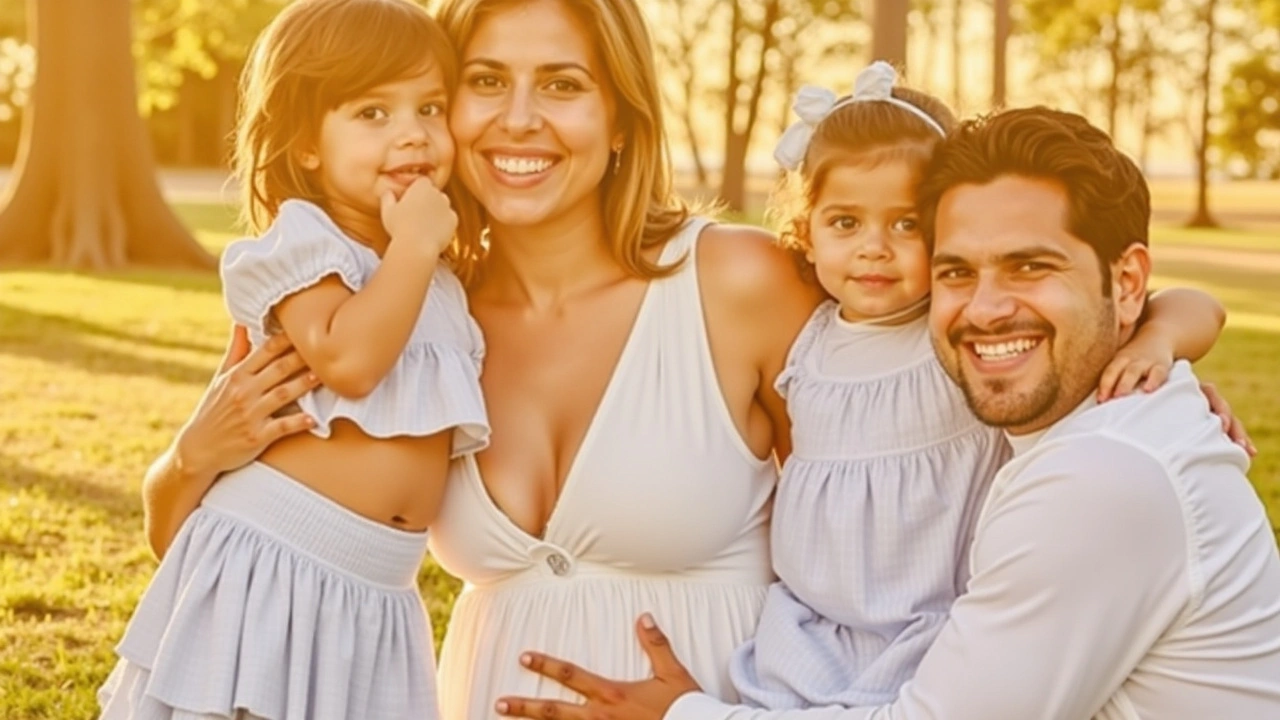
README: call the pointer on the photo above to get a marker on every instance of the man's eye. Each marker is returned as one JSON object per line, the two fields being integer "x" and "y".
{"x": 483, "y": 81}
{"x": 952, "y": 274}
{"x": 1034, "y": 267}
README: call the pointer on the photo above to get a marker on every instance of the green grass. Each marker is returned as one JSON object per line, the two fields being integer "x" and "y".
{"x": 96, "y": 372}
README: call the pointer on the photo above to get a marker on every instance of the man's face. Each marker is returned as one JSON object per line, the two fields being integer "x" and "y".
{"x": 1019, "y": 318}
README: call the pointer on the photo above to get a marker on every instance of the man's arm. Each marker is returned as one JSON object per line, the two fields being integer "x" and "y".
{"x": 1079, "y": 565}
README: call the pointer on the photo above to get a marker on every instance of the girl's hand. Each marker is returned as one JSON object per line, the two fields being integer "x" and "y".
{"x": 1143, "y": 364}
{"x": 1231, "y": 424}
{"x": 422, "y": 216}
{"x": 234, "y": 422}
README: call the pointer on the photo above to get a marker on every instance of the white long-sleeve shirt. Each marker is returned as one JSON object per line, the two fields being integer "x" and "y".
{"x": 1122, "y": 569}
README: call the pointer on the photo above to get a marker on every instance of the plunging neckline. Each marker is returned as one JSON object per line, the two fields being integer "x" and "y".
{"x": 588, "y": 436}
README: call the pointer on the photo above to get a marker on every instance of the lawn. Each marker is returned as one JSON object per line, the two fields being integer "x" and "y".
{"x": 96, "y": 372}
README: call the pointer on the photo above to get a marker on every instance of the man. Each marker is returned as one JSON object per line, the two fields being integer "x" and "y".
{"x": 1123, "y": 568}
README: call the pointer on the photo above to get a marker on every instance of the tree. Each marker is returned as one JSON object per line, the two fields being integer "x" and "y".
{"x": 84, "y": 193}
{"x": 999, "y": 66}
{"x": 1071, "y": 35}
{"x": 756, "y": 45}
{"x": 1202, "y": 217}
{"x": 957, "y": 54}
{"x": 1251, "y": 114}
{"x": 889, "y": 32}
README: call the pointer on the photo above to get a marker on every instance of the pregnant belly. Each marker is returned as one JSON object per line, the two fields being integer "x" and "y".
{"x": 588, "y": 619}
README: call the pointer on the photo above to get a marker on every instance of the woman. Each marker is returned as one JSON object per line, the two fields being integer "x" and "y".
{"x": 631, "y": 357}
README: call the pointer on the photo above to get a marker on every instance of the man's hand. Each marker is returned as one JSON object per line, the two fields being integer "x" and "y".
{"x": 608, "y": 699}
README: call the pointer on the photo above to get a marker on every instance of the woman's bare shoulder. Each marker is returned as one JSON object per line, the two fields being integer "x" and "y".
{"x": 745, "y": 267}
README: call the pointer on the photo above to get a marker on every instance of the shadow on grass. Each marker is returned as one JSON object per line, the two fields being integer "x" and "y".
{"x": 124, "y": 507}
{"x": 183, "y": 280}
{"x": 35, "y": 335}
{"x": 12, "y": 318}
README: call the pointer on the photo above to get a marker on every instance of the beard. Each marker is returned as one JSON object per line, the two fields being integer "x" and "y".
{"x": 1073, "y": 369}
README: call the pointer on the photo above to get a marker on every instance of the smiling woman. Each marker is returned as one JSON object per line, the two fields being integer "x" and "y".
{"x": 631, "y": 354}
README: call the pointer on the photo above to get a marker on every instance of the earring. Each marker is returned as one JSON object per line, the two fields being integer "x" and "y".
{"x": 617, "y": 159}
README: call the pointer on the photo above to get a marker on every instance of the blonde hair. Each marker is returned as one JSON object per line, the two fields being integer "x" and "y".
{"x": 639, "y": 204}
{"x": 864, "y": 133}
{"x": 314, "y": 56}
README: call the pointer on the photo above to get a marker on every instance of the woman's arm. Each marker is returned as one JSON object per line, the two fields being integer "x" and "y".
{"x": 756, "y": 302}
{"x": 232, "y": 424}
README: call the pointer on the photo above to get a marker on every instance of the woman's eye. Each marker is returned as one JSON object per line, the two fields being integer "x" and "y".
{"x": 372, "y": 113}
{"x": 563, "y": 85}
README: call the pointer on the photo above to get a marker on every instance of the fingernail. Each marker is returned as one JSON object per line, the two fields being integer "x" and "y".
{"x": 502, "y": 707}
{"x": 526, "y": 659}
{"x": 646, "y": 622}
{"x": 313, "y": 379}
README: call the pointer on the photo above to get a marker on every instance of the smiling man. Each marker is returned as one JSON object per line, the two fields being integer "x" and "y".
{"x": 1123, "y": 567}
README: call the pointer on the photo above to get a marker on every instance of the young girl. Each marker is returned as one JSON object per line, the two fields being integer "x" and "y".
{"x": 290, "y": 593}
{"x": 876, "y": 503}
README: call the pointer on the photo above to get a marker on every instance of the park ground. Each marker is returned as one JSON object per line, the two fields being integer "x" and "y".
{"x": 96, "y": 373}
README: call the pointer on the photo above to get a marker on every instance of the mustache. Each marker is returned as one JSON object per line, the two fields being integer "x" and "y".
{"x": 968, "y": 333}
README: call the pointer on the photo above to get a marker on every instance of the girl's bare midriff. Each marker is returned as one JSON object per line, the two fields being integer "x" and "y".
{"x": 396, "y": 481}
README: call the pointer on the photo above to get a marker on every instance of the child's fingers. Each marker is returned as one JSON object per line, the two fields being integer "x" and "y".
{"x": 1131, "y": 378}
{"x": 1157, "y": 376}
{"x": 1110, "y": 375}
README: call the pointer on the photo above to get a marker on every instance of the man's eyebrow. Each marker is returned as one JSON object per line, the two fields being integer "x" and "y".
{"x": 941, "y": 259}
{"x": 1031, "y": 253}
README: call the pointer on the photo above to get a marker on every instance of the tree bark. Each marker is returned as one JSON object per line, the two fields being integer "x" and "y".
{"x": 957, "y": 54}
{"x": 1115, "y": 48}
{"x": 1202, "y": 217}
{"x": 999, "y": 65}
{"x": 84, "y": 194}
{"x": 733, "y": 178}
{"x": 889, "y": 32}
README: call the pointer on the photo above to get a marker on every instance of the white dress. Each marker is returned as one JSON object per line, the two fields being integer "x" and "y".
{"x": 873, "y": 516}
{"x": 665, "y": 509}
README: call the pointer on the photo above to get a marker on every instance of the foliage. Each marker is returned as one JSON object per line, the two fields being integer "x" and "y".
{"x": 1250, "y": 132}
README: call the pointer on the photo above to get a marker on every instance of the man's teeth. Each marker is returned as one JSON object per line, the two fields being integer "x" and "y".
{"x": 1004, "y": 350}
{"x": 521, "y": 165}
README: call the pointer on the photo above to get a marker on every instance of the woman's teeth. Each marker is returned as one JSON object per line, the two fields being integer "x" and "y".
{"x": 1004, "y": 350}
{"x": 521, "y": 165}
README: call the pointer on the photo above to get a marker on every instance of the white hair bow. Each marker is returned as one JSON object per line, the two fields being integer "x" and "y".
{"x": 813, "y": 104}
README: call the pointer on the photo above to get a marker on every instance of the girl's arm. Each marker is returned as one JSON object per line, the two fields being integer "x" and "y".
{"x": 350, "y": 340}
{"x": 1181, "y": 323}
{"x": 232, "y": 424}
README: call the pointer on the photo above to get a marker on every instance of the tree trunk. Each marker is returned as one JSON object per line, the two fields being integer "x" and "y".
{"x": 737, "y": 141}
{"x": 957, "y": 54}
{"x": 1202, "y": 217}
{"x": 1114, "y": 55}
{"x": 889, "y": 32}
{"x": 999, "y": 66}
{"x": 83, "y": 193}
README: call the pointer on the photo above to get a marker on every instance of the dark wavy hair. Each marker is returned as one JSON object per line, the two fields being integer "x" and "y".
{"x": 1108, "y": 199}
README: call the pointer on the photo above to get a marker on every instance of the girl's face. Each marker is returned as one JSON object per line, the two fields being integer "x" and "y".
{"x": 866, "y": 245}
{"x": 533, "y": 117}
{"x": 379, "y": 142}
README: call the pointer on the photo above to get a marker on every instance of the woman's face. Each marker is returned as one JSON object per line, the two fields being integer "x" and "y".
{"x": 533, "y": 119}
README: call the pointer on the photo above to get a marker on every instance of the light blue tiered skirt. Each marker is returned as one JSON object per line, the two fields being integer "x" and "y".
{"x": 275, "y": 602}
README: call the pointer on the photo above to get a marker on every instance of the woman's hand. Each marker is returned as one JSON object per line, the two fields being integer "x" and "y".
{"x": 235, "y": 419}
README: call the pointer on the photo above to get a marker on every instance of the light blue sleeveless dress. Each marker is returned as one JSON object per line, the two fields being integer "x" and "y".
{"x": 872, "y": 518}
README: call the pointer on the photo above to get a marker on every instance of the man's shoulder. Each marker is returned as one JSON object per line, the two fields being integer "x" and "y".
{"x": 1174, "y": 425}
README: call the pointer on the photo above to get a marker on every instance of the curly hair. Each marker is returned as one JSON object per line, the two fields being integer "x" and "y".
{"x": 1109, "y": 204}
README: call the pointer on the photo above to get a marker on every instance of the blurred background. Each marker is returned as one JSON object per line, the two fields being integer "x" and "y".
{"x": 114, "y": 125}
